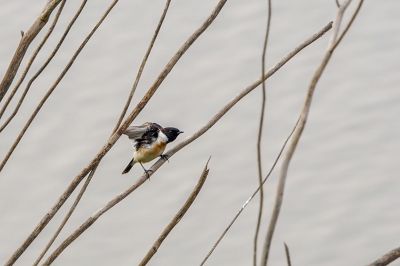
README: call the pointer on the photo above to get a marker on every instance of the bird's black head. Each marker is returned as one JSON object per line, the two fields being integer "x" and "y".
{"x": 171, "y": 133}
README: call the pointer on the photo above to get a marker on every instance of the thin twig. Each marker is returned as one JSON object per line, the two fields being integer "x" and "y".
{"x": 91, "y": 220}
{"x": 24, "y": 44}
{"x": 142, "y": 65}
{"x": 92, "y": 172}
{"x": 353, "y": 17}
{"x": 113, "y": 139}
{"x": 32, "y": 59}
{"x": 297, "y": 134}
{"x": 43, "y": 67}
{"x": 48, "y": 216}
{"x": 387, "y": 258}
{"x": 259, "y": 137}
{"x": 178, "y": 216}
{"x": 66, "y": 218}
{"x": 290, "y": 55}
{"x": 287, "y": 253}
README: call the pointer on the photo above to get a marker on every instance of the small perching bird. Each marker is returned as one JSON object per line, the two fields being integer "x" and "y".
{"x": 149, "y": 142}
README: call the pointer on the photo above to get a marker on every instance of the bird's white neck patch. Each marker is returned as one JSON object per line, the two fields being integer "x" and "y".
{"x": 162, "y": 137}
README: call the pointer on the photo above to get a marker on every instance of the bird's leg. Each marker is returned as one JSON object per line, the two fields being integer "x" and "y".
{"x": 165, "y": 157}
{"x": 146, "y": 171}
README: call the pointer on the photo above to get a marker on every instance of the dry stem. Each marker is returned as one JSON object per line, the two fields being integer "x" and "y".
{"x": 67, "y": 216}
{"x": 156, "y": 245}
{"x": 43, "y": 67}
{"x": 299, "y": 130}
{"x": 387, "y": 258}
{"x": 287, "y": 253}
{"x": 32, "y": 59}
{"x": 24, "y": 44}
{"x": 50, "y": 214}
{"x": 259, "y": 137}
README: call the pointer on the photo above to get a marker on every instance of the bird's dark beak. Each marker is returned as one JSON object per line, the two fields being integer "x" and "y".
{"x": 180, "y": 132}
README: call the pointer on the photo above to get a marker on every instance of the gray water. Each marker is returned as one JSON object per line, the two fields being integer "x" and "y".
{"x": 342, "y": 194}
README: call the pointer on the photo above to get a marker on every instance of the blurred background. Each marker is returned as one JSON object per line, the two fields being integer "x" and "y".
{"x": 343, "y": 185}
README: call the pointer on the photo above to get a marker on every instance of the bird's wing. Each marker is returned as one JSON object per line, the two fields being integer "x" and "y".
{"x": 139, "y": 132}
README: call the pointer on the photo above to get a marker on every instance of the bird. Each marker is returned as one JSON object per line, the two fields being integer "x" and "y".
{"x": 149, "y": 142}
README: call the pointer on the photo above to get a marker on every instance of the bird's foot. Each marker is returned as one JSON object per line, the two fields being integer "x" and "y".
{"x": 148, "y": 173}
{"x": 164, "y": 157}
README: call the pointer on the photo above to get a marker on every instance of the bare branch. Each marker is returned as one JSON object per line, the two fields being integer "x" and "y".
{"x": 387, "y": 258}
{"x": 33, "y": 57}
{"x": 259, "y": 137}
{"x": 156, "y": 245}
{"x": 297, "y": 134}
{"x": 287, "y": 253}
{"x": 43, "y": 67}
{"x": 50, "y": 214}
{"x": 113, "y": 139}
{"x": 142, "y": 65}
{"x": 350, "y": 23}
{"x": 66, "y": 218}
{"x": 55, "y": 84}
{"x": 91, "y": 220}
{"x": 24, "y": 44}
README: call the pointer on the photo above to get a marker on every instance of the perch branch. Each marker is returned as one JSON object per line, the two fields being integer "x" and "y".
{"x": 156, "y": 245}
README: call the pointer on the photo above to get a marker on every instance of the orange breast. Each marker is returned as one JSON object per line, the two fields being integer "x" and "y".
{"x": 146, "y": 154}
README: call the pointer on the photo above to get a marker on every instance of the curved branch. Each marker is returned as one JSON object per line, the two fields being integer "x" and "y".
{"x": 156, "y": 245}
{"x": 32, "y": 59}
{"x": 91, "y": 220}
{"x": 259, "y": 137}
{"x": 24, "y": 44}
{"x": 298, "y": 133}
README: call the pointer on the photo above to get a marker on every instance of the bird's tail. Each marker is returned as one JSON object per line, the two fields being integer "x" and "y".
{"x": 128, "y": 167}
